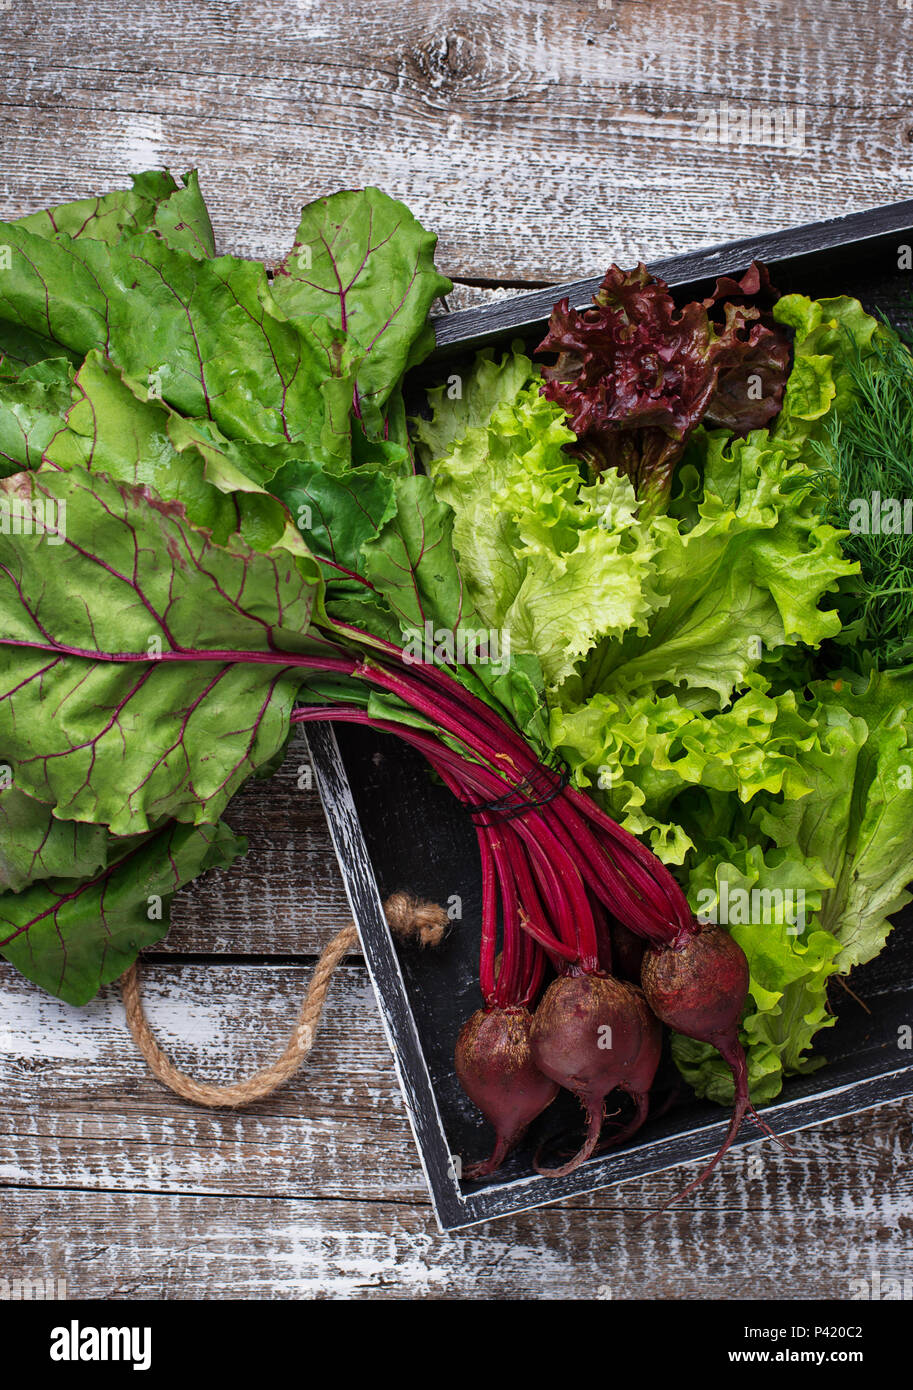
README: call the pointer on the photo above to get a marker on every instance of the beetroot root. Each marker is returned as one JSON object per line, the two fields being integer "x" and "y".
{"x": 699, "y": 989}
{"x": 642, "y": 1071}
{"x": 638, "y": 1076}
{"x": 592, "y": 1033}
{"x": 495, "y": 1067}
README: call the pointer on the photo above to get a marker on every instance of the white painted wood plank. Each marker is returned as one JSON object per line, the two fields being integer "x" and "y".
{"x": 332, "y": 1153}
{"x": 79, "y": 1107}
{"x": 807, "y": 1237}
{"x": 536, "y": 148}
{"x": 285, "y": 897}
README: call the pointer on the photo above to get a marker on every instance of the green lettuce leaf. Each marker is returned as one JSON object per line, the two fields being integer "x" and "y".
{"x": 811, "y": 792}
{"x": 554, "y": 563}
{"x": 856, "y": 820}
{"x": 700, "y": 722}
{"x": 750, "y": 576}
{"x": 468, "y": 401}
{"x": 647, "y": 758}
{"x": 827, "y": 332}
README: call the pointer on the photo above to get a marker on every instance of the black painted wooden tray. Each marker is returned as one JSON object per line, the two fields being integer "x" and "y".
{"x": 394, "y": 828}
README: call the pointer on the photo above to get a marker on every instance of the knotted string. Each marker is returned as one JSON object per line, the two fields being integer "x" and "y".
{"x": 410, "y": 919}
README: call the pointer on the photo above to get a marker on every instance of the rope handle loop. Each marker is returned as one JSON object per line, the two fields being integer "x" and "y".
{"x": 410, "y": 920}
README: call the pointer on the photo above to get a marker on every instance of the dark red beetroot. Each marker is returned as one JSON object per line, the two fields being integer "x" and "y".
{"x": 495, "y": 1067}
{"x": 592, "y": 1033}
{"x": 639, "y": 1076}
{"x": 700, "y": 989}
{"x": 642, "y": 1071}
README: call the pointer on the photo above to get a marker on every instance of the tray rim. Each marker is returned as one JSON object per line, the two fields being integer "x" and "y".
{"x": 524, "y": 312}
{"x": 454, "y": 1209}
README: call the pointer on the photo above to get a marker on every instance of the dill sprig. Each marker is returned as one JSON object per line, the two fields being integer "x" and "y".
{"x": 867, "y": 457}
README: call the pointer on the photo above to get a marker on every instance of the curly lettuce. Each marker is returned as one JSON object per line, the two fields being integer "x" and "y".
{"x": 746, "y": 575}
{"x": 636, "y": 374}
{"x": 845, "y": 846}
{"x": 707, "y": 719}
{"x": 556, "y": 563}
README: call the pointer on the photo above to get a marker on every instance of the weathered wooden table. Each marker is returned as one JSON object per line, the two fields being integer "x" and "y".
{"x": 542, "y": 139}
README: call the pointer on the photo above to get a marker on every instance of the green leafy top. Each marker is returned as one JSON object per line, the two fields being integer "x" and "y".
{"x": 191, "y": 457}
{"x": 155, "y": 203}
{"x": 554, "y": 563}
{"x": 362, "y": 262}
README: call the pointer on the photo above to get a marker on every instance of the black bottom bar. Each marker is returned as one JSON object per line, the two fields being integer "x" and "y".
{"x": 284, "y": 1342}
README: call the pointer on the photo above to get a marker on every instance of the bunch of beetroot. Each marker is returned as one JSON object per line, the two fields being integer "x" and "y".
{"x": 562, "y": 882}
{"x": 592, "y": 1033}
{"x": 560, "y": 878}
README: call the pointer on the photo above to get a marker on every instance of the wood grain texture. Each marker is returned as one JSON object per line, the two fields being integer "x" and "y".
{"x": 121, "y": 1245}
{"x": 80, "y": 1108}
{"x": 286, "y": 896}
{"x": 115, "y": 1185}
{"x": 540, "y": 141}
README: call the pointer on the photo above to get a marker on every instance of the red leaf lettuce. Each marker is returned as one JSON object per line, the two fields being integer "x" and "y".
{"x": 636, "y": 375}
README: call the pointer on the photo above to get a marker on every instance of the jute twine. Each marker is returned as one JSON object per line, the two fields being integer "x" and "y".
{"x": 410, "y": 920}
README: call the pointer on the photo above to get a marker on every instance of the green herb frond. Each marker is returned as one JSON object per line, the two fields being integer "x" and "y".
{"x": 867, "y": 455}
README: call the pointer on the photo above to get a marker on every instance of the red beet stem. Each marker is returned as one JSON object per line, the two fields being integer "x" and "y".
{"x": 628, "y": 951}
{"x": 545, "y": 826}
{"x": 532, "y": 907}
{"x": 528, "y": 970}
{"x": 508, "y": 986}
{"x": 658, "y": 872}
{"x": 576, "y": 805}
{"x": 456, "y": 712}
{"x": 489, "y": 945}
{"x": 547, "y": 940}
{"x": 550, "y": 852}
{"x": 603, "y": 935}
{"x": 503, "y": 857}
